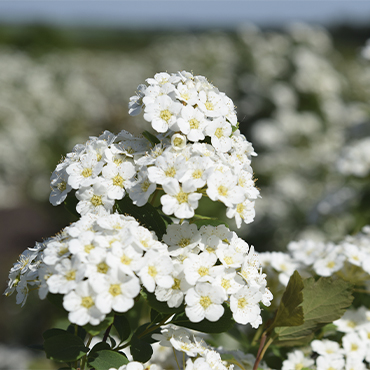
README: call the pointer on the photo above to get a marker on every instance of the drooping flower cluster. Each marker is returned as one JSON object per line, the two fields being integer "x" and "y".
{"x": 100, "y": 263}
{"x": 106, "y": 168}
{"x": 347, "y": 259}
{"x": 350, "y": 354}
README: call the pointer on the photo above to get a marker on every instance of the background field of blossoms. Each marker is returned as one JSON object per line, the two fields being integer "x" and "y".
{"x": 311, "y": 134}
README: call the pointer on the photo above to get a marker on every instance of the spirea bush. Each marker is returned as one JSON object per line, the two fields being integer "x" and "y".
{"x": 139, "y": 242}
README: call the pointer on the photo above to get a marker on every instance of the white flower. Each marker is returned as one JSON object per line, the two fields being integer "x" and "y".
{"x": 84, "y": 172}
{"x": 115, "y": 291}
{"x": 198, "y": 170}
{"x": 296, "y": 360}
{"x": 223, "y": 187}
{"x": 118, "y": 178}
{"x": 81, "y": 305}
{"x": 220, "y": 130}
{"x": 180, "y": 201}
{"x": 59, "y": 186}
{"x": 192, "y": 123}
{"x": 68, "y": 273}
{"x": 204, "y": 301}
{"x": 244, "y": 305}
{"x": 201, "y": 268}
{"x": 135, "y": 103}
{"x": 178, "y": 142}
{"x": 211, "y": 104}
{"x": 163, "y": 113}
{"x": 243, "y": 211}
{"x": 157, "y": 270}
{"x": 142, "y": 188}
{"x": 94, "y": 199}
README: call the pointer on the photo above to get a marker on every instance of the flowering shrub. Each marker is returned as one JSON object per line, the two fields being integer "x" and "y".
{"x": 139, "y": 241}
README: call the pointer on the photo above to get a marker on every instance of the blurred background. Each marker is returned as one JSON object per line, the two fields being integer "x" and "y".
{"x": 298, "y": 72}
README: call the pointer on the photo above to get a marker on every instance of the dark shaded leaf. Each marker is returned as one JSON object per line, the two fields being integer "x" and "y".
{"x": 64, "y": 347}
{"x": 122, "y": 326}
{"x": 106, "y": 359}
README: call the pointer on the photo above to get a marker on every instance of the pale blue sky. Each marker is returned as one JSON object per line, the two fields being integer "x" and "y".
{"x": 182, "y": 14}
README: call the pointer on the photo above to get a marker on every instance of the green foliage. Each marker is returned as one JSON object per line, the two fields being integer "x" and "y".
{"x": 161, "y": 307}
{"x": 289, "y": 312}
{"x": 140, "y": 349}
{"x": 153, "y": 139}
{"x": 224, "y": 324}
{"x": 324, "y": 301}
{"x": 56, "y": 300}
{"x": 122, "y": 325}
{"x": 202, "y": 220}
{"x": 104, "y": 359}
{"x": 147, "y": 215}
{"x": 62, "y": 346}
{"x": 70, "y": 204}
{"x": 97, "y": 329}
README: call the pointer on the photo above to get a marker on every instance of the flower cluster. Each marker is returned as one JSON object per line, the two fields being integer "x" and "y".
{"x": 100, "y": 263}
{"x": 350, "y": 354}
{"x": 106, "y": 168}
{"x": 348, "y": 259}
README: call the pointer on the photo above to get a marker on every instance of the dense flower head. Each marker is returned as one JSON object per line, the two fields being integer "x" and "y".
{"x": 101, "y": 262}
{"x": 183, "y": 164}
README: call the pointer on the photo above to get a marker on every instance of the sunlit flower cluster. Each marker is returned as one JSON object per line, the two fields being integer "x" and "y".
{"x": 350, "y": 354}
{"x": 107, "y": 168}
{"x": 100, "y": 263}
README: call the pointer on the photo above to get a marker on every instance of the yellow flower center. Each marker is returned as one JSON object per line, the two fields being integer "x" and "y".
{"x": 184, "y": 242}
{"x": 222, "y": 190}
{"x": 96, "y": 200}
{"x": 225, "y": 284}
{"x": 197, "y": 174}
{"x": 203, "y": 271}
{"x": 330, "y": 264}
{"x": 205, "y": 302}
{"x": 62, "y": 186}
{"x": 145, "y": 185}
{"x": 70, "y": 275}
{"x": 88, "y": 248}
{"x": 209, "y": 105}
{"x": 63, "y": 251}
{"x": 240, "y": 209}
{"x": 102, "y": 267}
{"x": 165, "y": 115}
{"x": 152, "y": 271}
{"x": 118, "y": 181}
{"x": 194, "y": 124}
{"x": 182, "y": 197}
{"x": 115, "y": 290}
{"x": 176, "y": 285}
{"x": 242, "y": 302}
{"x": 87, "y": 302}
{"x": 228, "y": 260}
{"x": 178, "y": 141}
{"x": 219, "y": 133}
{"x": 126, "y": 260}
{"x": 87, "y": 172}
{"x": 170, "y": 172}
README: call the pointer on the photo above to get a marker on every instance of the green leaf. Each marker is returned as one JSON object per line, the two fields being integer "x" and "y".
{"x": 106, "y": 359}
{"x": 161, "y": 307}
{"x": 208, "y": 221}
{"x": 140, "y": 350}
{"x": 70, "y": 204}
{"x": 122, "y": 326}
{"x": 53, "y": 332}
{"x": 146, "y": 215}
{"x": 81, "y": 332}
{"x": 236, "y": 127}
{"x": 153, "y": 139}
{"x": 97, "y": 329}
{"x": 148, "y": 336}
{"x": 324, "y": 301}
{"x": 99, "y": 347}
{"x": 289, "y": 312}
{"x": 56, "y": 300}
{"x": 64, "y": 347}
{"x": 223, "y": 324}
